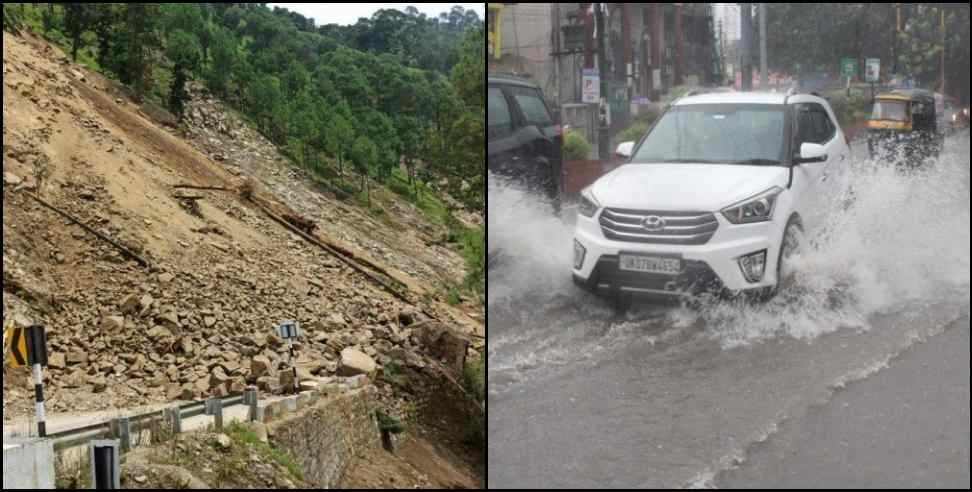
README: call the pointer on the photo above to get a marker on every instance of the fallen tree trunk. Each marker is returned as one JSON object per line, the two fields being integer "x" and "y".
{"x": 125, "y": 251}
{"x": 307, "y": 237}
{"x": 194, "y": 187}
{"x": 248, "y": 191}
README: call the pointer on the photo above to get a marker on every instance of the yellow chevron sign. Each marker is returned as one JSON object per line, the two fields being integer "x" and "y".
{"x": 16, "y": 340}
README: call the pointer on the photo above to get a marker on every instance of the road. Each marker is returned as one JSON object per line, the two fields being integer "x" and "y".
{"x": 678, "y": 397}
{"x": 906, "y": 427}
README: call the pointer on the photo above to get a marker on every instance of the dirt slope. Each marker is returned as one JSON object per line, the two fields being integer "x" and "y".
{"x": 221, "y": 273}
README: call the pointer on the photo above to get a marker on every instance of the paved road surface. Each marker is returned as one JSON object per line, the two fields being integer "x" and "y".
{"x": 906, "y": 427}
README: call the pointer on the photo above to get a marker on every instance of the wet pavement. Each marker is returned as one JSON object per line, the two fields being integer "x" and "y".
{"x": 905, "y": 427}
{"x": 669, "y": 396}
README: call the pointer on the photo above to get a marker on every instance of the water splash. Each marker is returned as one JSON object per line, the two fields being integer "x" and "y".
{"x": 903, "y": 243}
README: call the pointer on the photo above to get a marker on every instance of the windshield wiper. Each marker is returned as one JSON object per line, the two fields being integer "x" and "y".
{"x": 757, "y": 162}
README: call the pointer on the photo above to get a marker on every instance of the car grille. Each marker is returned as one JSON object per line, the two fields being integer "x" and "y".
{"x": 684, "y": 228}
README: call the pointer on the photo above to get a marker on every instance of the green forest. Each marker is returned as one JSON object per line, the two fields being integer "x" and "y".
{"x": 396, "y": 88}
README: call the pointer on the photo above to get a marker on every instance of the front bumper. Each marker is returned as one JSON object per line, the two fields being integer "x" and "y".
{"x": 711, "y": 267}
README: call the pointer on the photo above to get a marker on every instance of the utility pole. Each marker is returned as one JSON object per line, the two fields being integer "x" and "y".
{"x": 602, "y": 137}
{"x": 556, "y": 50}
{"x": 944, "y": 40}
{"x": 746, "y": 26}
{"x": 897, "y": 35}
{"x": 763, "y": 75}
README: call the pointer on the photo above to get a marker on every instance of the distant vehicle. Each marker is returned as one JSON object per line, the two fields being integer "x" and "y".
{"x": 907, "y": 126}
{"x": 524, "y": 139}
{"x": 713, "y": 198}
{"x": 956, "y": 117}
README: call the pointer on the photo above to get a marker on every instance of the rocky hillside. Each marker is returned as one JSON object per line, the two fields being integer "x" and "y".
{"x": 220, "y": 273}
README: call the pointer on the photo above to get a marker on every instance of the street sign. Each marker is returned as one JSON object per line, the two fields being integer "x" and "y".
{"x": 289, "y": 330}
{"x": 848, "y": 67}
{"x": 18, "y": 346}
{"x": 592, "y": 87}
{"x": 873, "y": 70}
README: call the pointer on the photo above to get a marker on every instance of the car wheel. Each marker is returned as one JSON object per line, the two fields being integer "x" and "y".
{"x": 621, "y": 301}
{"x": 790, "y": 246}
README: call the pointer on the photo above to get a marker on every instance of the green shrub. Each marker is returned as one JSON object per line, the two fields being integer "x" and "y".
{"x": 389, "y": 424}
{"x": 474, "y": 251}
{"x": 633, "y": 133}
{"x": 638, "y": 128}
{"x": 576, "y": 147}
{"x": 475, "y": 376}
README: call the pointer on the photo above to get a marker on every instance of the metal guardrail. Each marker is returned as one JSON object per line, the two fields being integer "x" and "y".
{"x": 140, "y": 422}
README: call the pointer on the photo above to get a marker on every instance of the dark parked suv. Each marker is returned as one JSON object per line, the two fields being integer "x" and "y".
{"x": 523, "y": 137}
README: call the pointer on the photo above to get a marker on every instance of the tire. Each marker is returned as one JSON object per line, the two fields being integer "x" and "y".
{"x": 621, "y": 302}
{"x": 789, "y": 245}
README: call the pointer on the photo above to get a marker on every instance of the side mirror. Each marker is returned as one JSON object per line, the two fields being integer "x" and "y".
{"x": 811, "y": 153}
{"x": 626, "y": 149}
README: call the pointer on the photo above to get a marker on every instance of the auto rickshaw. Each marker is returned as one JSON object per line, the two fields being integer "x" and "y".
{"x": 907, "y": 127}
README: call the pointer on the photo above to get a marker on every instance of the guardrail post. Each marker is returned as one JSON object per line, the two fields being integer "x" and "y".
{"x": 251, "y": 398}
{"x": 105, "y": 465}
{"x": 214, "y": 407}
{"x": 173, "y": 416}
{"x": 121, "y": 429}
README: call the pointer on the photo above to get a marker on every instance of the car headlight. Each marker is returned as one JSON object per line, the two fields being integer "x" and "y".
{"x": 588, "y": 204}
{"x": 756, "y": 209}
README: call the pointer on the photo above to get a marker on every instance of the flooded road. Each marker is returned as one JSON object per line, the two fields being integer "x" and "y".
{"x": 671, "y": 396}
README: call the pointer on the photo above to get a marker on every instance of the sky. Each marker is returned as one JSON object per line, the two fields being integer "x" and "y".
{"x": 348, "y": 13}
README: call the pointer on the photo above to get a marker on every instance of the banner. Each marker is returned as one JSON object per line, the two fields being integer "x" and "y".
{"x": 873, "y": 69}
{"x": 591, "y": 89}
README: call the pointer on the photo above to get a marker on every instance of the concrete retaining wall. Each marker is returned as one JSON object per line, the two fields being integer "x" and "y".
{"x": 28, "y": 464}
{"x": 325, "y": 437}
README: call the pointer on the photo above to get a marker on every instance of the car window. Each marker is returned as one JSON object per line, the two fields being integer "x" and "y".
{"x": 814, "y": 124}
{"x": 890, "y": 110}
{"x": 717, "y": 133}
{"x": 498, "y": 117}
{"x": 806, "y": 132}
{"x": 824, "y": 128}
{"x": 532, "y": 105}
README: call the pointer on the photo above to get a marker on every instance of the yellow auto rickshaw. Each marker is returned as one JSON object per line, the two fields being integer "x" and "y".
{"x": 905, "y": 127}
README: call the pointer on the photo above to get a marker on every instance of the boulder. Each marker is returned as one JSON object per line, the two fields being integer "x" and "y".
{"x": 57, "y": 361}
{"x": 159, "y": 332}
{"x": 130, "y": 304}
{"x": 260, "y": 366}
{"x": 223, "y": 442}
{"x": 12, "y": 179}
{"x": 354, "y": 362}
{"x": 444, "y": 344}
{"x": 77, "y": 358}
{"x": 218, "y": 377}
{"x": 113, "y": 323}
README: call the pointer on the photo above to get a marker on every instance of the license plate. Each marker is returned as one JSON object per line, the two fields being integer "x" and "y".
{"x": 651, "y": 264}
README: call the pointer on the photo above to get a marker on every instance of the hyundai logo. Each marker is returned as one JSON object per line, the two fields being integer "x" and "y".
{"x": 653, "y": 223}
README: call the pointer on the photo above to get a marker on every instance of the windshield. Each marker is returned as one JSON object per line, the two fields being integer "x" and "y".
{"x": 717, "y": 134}
{"x": 890, "y": 110}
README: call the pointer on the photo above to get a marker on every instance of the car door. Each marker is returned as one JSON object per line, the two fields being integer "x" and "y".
{"x": 810, "y": 179}
{"x": 838, "y": 148}
{"x": 501, "y": 141}
{"x": 539, "y": 141}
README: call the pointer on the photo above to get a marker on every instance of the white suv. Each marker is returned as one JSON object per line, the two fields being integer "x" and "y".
{"x": 713, "y": 198}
